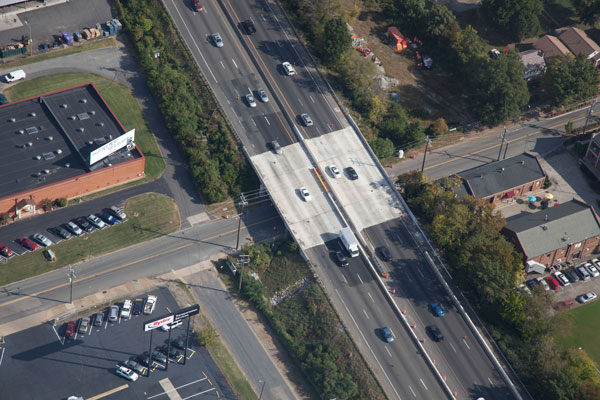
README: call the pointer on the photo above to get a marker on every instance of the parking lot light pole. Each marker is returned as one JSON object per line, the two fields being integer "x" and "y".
{"x": 71, "y": 276}
{"x": 30, "y": 37}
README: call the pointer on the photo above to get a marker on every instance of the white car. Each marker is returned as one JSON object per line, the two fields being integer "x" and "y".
{"x": 305, "y": 194}
{"x": 172, "y": 325}
{"x": 306, "y": 119}
{"x": 38, "y": 237}
{"x": 335, "y": 171}
{"x": 562, "y": 278}
{"x": 127, "y": 373}
{"x": 262, "y": 95}
{"x": 543, "y": 282}
{"x": 94, "y": 220}
{"x": 75, "y": 230}
{"x": 217, "y": 39}
{"x": 126, "y": 309}
{"x": 288, "y": 69}
{"x": 591, "y": 267}
{"x": 250, "y": 100}
{"x": 584, "y": 298}
{"x": 150, "y": 304}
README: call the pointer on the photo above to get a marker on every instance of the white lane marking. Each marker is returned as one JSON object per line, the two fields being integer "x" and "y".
{"x": 413, "y": 392}
{"x": 237, "y": 94}
{"x": 452, "y": 347}
{"x": 2, "y": 356}
{"x": 249, "y": 90}
{"x": 222, "y": 65}
{"x": 399, "y": 239}
{"x": 372, "y": 299}
{"x": 344, "y": 278}
{"x": 361, "y": 281}
{"x": 466, "y": 344}
{"x": 300, "y": 101}
{"x": 420, "y": 272}
{"x": 194, "y": 41}
{"x": 178, "y": 387}
{"x": 319, "y": 131}
{"x": 367, "y": 343}
{"x": 254, "y": 122}
{"x": 268, "y": 123}
{"x": 61, "y": 340}
{"x": 198, "y": 394}
{"x": 423, "y": 384}
{"x": 310, "y": 97}
{"x": 386, "y": 349}
{"x": 233, "y": 61}
{"x": 489, "y": 380}
{"x": 365, "y": 312}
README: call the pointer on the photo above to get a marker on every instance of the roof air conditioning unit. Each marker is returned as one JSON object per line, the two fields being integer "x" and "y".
{"x": 29, "y": 144}
{"x": 38, "y": 157}
{"x": 46, "y": 171}
{"x": 58, "y": 151}
{"x": 100, "y": 124}
{"x": 50, "y": 138}
{"x": 130, "y": 146}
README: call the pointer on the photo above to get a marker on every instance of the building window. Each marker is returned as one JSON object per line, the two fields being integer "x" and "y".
{"x": 549, "y": 255}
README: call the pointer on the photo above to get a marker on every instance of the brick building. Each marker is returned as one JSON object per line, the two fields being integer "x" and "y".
{"x": 62, "y": 144}
{"x": 565, "y": 232}
{"x": 504, "y": 179}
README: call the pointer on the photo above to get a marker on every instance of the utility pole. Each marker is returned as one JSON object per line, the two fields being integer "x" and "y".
{"x": 589, "y": 114}
{"x": 261, "y": 389}
{"x": 71, "y": 276}
{"x": 242, "y": 259}
{"x": 427, "y": 144}
{"x": 502, "y": 143}
{"x": 242, "y": 204}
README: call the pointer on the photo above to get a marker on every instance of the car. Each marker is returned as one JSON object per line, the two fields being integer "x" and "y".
{"x": 305, "y": 194}
{"x": 158, "y": 356}
{"x": 70, "y": 331}
{"x": 276, "y": 147}
{"x": 249, "y": 27}
{"x": 583, "y": 272}
{"x": 28, "y": 244}
{"x": 592, "y": 269}
{"x": 306, "y": 120}
{"x": 434, "y": 332}
{"x": 543, "y": 282}
{"x": 179, "y": 343}
{"x": 145, "y": 360}
{"x": 197, "y": 6}
{"x": 3, "y": 100}
{"x": 73, "y": 228}
{"x": 108, "y": 218}
{"x": 553, "y": 283}
{"x": 138, "y": 306}
{"x": 387, "y": 334}
{"x": 217, "y": 40}
{"x": 436, "y": 309}
{"x": 596, "y": 262}
{"x": 113, "y": 313}
{"x": 98, "y": 319}
{"x": 5, "y": 251}
{"x": 85, "y": 224}
{"x": 62, "y": 232}
{"x": 97, "y": 222}
{"x": 118, "y": 213}
{"x": 172, "y": 325}
{"x": 531, "y": 284}
{"x": 288, "y": 69}
{"x": 352, "y": 173}
{"x": 262, "y": 95}
{"x": 38, "y": 237}
{"x": 127, "y": 373}
{"x": 562, "y": 278}
{"x": 427, "y": 62}
{"x": 385, "y": 254}
{"x": 13, "y": 76}
{"x": 250, "y": 100}
{"x": 172, "y": 352}
{"x": 150, "y": 304}
{"x": 126, "y": 309}
{"x": 341, "y": 259}
{"x": 572, "y": 275}
{"x": 84, "y": 323}
{"x": 134, "y": 365}
{"x": 584, "y": 298}
{"x": 494, "y": 53}
{"x": 524, "y": 288}
{"x": 335, "y": 172}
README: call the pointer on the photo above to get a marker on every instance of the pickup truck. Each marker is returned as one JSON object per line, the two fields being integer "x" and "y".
{"x": 150, "y": 304}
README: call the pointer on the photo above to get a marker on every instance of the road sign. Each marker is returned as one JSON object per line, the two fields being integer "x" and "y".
{"x": 186, "y": 312}
{"x": 158, "y": 322}
{"x": 172, "y": 317}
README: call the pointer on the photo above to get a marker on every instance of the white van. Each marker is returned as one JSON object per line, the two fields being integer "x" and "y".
{"x": 17, "y": 75}
{"x": 126, "y": 309}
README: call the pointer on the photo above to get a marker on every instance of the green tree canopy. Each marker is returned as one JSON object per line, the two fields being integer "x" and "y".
{"x": 336, "y": 40}
{"x": 588, "y": 10}
{"x": 519, "y": 18}
{"x": 570, "y": 79}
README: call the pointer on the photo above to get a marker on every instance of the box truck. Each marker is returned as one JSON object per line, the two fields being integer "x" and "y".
{"x": 349, "y": 241}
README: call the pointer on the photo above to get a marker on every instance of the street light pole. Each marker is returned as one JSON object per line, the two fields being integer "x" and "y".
{"x": 427, "y": 144}
{"x": 502, "y": 143}
{"x": 30, "y": 37}
{"x": 71, "y": 276}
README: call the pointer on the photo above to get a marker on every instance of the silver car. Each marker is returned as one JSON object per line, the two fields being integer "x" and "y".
{"x": 97, "y": 222}
{"x": 250, "y": 100}
{"x": 75, "y": 230}
{"x": 38, "y": 237}
{"x": 262, "y": 95}
{"x": 306, "y": 119}
{"x": 217, "y": 39}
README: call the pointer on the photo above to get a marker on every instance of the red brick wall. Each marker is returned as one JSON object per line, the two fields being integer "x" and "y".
{"x": 519, "y": 191}
{"x": 568, "y": 253}
{"x": 80, "y": 185}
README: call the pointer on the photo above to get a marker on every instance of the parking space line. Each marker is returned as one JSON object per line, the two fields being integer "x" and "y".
{"x": 61, "y": 340}
{"x": 2, "y": 356}
{"x": 198, "y": 394}
{"x": 174, "y": 388}
{"x": 109, "y": 392}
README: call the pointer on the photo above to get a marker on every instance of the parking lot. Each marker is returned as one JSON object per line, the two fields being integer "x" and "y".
{"x": 42, "y": 363}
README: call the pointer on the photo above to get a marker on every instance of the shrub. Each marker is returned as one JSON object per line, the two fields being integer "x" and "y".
{"x": 60, "y": 202}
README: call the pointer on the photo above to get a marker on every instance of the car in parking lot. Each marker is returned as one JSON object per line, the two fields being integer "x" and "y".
{"x": 305, "y": 194}
{"x": 387, "y": 334}
{"x": 306, "y": 119}
{"x": 84, "y": 323}
{"x": 543, "y": 282}
{"x": 145, "y": 360}
{"x": 134, "y": 365}
{"x": 97, "y": 222}
{"x": 288, "y": 69}
{"x": 127, "y": 373}
{"x": 85, "y": 224}
{"x": 335, "y": 172}
{"x": 178, "y": 343}
{"x": 117, "y": 212}
{"x": 553, "y": 283}
{"x": 3, "y": 100}
{"x": 98, "y": 319}
{"x": 108, "y": 218}
{"x": 250, "y": 100}
{"x": 562, "y": 278}
{"x": 138, "y": 306}
{"x": 217, "y": 40}
{"x": 62, "y": 232}
{"x": 584, "y": 298}
{"x": 437, "y": 309}
{"x": 592, "y": 269}
{"x": 73, "y": 228}
{"x": 596, "y": 263}
{"x": 172, "y": 352}
{"x": 70, "y": 331}
{"x": 172, "y": 325}
{"x": 38, "y": 237}
{"x": 113, "y": 313}
{"x": 249, "y": 27}
{"x": 126, "y": 309}
{"x": 158, "y": 356}
{"x": 5, "y": 251}
{"x": 583, "y": 272}
{"x": 352, "y": 173}
{"x": 28, "y": 244}
{"x": 572, "y": 275}
{"x": 434, "y": 332}
{"x": 385, "y": 253}
{"x": 531, "y": 283}
{"x": 341, "y": 259}
{"x": 150, "y": 304}
{"x": 262, "y": 95}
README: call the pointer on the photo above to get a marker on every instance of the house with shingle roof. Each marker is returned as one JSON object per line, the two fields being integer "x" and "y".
{"x": 578, "y": 42}
{"x": 551, "y": 47}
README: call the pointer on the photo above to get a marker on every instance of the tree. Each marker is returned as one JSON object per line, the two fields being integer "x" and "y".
{"x": 437, "y": 128}
{"x": 570, "y": 79}
{"x": 588, "y": 10}
{"x": 520, "y": 18}
{"x": 336, "y": 41}
{"x": 439, "y": 22}
{"x": 382, "y": 147}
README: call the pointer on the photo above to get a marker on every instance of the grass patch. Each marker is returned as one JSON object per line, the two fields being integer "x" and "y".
{"x": 120, "y": 100}
{"x": 585, "y": 331}
{"x": 149, "y": 215}
{"x": 230, "y": 369}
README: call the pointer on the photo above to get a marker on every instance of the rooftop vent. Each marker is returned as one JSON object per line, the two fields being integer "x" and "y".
{"x": 29, "y": 144}
{"x": 13, "y": 120}
{"x": 63, "y": 106}
{"x": 100, "y": 124}
{"x": 502, "y": 170}
{"x": 83, "y": 116}
{"x": 67, "y": 165}
{"x": 544, "y": 227}
{"x": 522, "y": 162}
{"x": 50, "y": 138}
{"x": 90, "y": 142}
{"x": 38, "y": 157}
{"x": 58, "y": 151}
{"x": 80, "y": 129}
{"x": 546, "y": 218}
{"x": 31, "y": 130}
{"x": 72, "y": 117}
{"x": 32, "y": 114}
{"x": 93, "y": 112}
{"x": 21, "y": 131}
{"x": 46, "y": 171}
{"x": 83, "y": 101}
{"x": 48, "y": 156}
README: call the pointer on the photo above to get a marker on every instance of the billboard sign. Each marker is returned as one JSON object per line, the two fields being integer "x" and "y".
{"x": 186, "y": 312}
{"x": 157, "y": 323}
{"x": 112, "y": 146}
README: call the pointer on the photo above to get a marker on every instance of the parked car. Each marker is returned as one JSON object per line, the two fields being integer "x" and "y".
{"x": 134, "y": 365}
{"x": 138, "y": 306}
{"x": 3, "y": 100}
{"x": 126, "y": 309}
{"x": 288, "y": 69}
{"x": 42, "y": 239}
{"x": 531, "y": 284}
{"x": 543, "y": 282}
{"x": 113, "y": 313}
{"x": 385, "y": 253}
{"x": 592, "y": 269}
{"x": 434, "y": 332}
{"x": 179, "y": 343}
{"x": 387, "y": 334}
{"x": 5, "y": 251}
{"x": 562, "y": 278}
{"x": 108, "y": 218}
{"x": 217, "y": 40}
{"x": 127, "y": 373}
{"x": 98, "y": 319}
{"x": 73, "y": 228}
{"x": 250, "y": 100}
{"x": 172, "y": 352}
{"x": 62, "y": 232}
{"x": 572, "y": 275}
{"x": 118, "y": 213}
{"x": 335, "y": 172}
{"x": 305, "y": 194}
{"x": 150, "y": 304}
{"x": 553, "y": 283}
{"x": 13, "y": 76}
{"x": 85, "y": 224}
{"x": 70, "y": 331}
{"x": 596, "y": 263}
{"x": 28, "y": 244}
{"x": 262, "y": 95}
{"x": 97, "y": 222}
{"x": 84, "y": 323}
{"x": 437, "y": 309}
{"x": 158, "y": 356}
{"x": 341, "y": 259}
{"x": 584, "y": 298}
{"x": 583, "y": 272}
{"x": 306, "y": 119}
{"x": 145, "y": 360}
{"x": 352, "y": 173}
{"x": 249, "y": 27}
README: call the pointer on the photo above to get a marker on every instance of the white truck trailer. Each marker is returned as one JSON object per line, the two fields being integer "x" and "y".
{"x": 349, "y": 241}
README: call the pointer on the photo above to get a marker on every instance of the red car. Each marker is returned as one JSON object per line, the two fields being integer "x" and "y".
{"x": 28, "y": 244}
{"x": 70, "y": 329}
{"x": 5, "y": 251}
{"x": 197, "y": 6}
{"x": 553, "y": 283}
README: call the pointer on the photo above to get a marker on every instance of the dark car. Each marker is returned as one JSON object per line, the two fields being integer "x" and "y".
{"x": 174, "y": 354}
{"x": 178, "y": 343}
{"x": 145, "y": 360}
{"x": 62, "y": 232}
{"x": 249, "y": 27}
{"x": 28, "y": 244}
{"x": 98, "y": 318}
{"x": 434, "y": 332}
{"x": 70, "y": 331}
{"x": 108, "y": 218}
{"x": 84, "y": 224}
{"x": 341, "y": 259}
{"x": 134, "y": 365}
{"x": 138, "y": 306}
{"x": 385, "y": 253}
{"x": 436, "y": 309}
{"x": 3, "y": 100}
{"x": 352, "y": 173}
{"x": 387, "y": 334}
{"x": 572, "y": 275}
{"x": 158, "y": 356}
